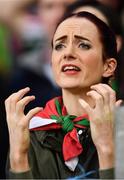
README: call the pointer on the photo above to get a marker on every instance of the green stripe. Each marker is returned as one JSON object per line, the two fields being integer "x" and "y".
{"x": 58, "y": 106}
{"x": 83, "y": 122}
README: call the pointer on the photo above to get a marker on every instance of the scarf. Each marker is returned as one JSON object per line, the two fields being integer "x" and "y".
{"x": 54, "y": 116}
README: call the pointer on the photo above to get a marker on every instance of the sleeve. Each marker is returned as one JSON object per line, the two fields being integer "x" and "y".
{"x": 22, "y": 175}
{"x": 27, "y": 174}
{"x": 106, "y": 173}
{"x": 10, "y": 174}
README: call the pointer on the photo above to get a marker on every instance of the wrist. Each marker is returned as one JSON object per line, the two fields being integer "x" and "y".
{"x": 19, "y": 162}
{"x": 106, "y": 159}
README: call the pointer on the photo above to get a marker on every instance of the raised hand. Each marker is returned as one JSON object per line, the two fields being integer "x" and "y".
{"x": 18, "y": 124}
{"x": 102, "y": 120}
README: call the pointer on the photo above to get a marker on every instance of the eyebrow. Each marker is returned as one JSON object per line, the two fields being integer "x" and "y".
{"x": 76, "y": 36}
{"x": 81, "y": 37}
{"x": 61, "y": 38}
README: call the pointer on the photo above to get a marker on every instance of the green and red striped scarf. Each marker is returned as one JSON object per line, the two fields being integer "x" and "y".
{"x": 55, "y": 117}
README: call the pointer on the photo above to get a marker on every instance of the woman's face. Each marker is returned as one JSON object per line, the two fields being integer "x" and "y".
{"x": 77, "y": 54}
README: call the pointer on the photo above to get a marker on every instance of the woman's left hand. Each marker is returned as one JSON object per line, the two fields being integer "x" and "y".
{"x": 101, "y": 118}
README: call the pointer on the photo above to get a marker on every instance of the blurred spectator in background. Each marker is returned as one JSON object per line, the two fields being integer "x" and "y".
{"x": 30, "y": 24}
{"x": 110, "y": 16}
{"x": 115, "y": 4}
{"x": 5, "y": 67}
{"x": 33, "y": 25}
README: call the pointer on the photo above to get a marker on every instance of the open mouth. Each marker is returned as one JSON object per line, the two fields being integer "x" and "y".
{"x": 70, "y": 67}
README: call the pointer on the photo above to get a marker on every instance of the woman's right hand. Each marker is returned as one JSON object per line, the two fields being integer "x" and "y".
{"x": 18, "y": 124}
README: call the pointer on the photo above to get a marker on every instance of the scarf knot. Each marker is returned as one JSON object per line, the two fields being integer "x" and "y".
{"x": 66, "y": 122}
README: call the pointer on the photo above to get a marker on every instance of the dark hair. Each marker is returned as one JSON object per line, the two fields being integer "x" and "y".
{"x": 110, "y": 14}
{"x": 107, "y": 36}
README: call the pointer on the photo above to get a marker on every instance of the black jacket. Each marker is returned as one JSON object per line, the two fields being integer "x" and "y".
{"x": 46, "y": 159}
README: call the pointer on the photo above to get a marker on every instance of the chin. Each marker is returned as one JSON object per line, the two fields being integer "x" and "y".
{"x": 68, "y": 85}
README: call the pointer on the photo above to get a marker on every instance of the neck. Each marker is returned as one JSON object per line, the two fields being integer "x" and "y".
{"x": 71, "y": 101}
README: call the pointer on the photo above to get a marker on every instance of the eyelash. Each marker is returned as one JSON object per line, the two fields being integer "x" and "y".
{"x": 84, "y": 45}
{"x": 81, "y": 45}
{"x": 59, "y": 46}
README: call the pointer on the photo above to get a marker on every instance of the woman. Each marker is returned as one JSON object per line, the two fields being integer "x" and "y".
{"x": 59, "y": 144}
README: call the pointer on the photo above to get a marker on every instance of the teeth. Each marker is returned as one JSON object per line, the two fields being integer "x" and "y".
{"x": 71, "y": 68}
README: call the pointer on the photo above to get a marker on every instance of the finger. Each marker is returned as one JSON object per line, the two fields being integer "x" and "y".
{"x": 98, "y": 98}
{"x": 14, "y": 98}
{"x": 104, "y": 92}
{"x": 119, "y": 103}
{"x": 32, "y": 112}
{"x": 8, "y": 103}
{"x": 112, "y": 95}
{"x": 85, "y": 106}
{"x": 20, "y": 106}
{"x": 18, "y": 95}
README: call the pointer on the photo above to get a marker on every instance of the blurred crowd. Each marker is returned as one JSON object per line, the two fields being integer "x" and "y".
{"x": 26, "y": 29}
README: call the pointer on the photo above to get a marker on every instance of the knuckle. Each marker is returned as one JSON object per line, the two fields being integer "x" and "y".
{"x": 9, "y": 99}
{"x": 98, "y": 98}
{"x": 106, "y": 93}
{"x": 19, "y": 103}
{"x": 12, "y": 100}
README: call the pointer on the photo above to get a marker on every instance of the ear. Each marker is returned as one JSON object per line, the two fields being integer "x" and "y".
{"x": 109, "y": 67}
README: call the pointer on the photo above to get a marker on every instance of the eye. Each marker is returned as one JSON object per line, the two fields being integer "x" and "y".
{"x": 59, "y": 46}
{"x": 84, "y": 45}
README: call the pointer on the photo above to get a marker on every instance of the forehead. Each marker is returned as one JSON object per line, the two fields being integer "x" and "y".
{"x": 77, "y": 26}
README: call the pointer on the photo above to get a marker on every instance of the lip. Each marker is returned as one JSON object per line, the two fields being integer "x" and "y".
{"x": 70, "y": 72}
{"x": 70, "y": 65}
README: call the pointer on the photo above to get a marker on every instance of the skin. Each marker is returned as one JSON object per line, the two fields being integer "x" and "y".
{"x": 82, "y": 93}
{"x": 101, "y": 16}
{"x": 18, "y": 124}
{"x": 98, "y": 100}
{"x": 84, "y": 52}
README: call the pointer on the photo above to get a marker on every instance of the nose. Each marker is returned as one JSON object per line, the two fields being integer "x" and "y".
{"x": 69, "y": 53}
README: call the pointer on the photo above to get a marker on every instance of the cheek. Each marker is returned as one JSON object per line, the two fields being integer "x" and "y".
{"x": 93, "y": 61}
{"x": 55, "y": 60}
{"x": 54, "y": 65}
